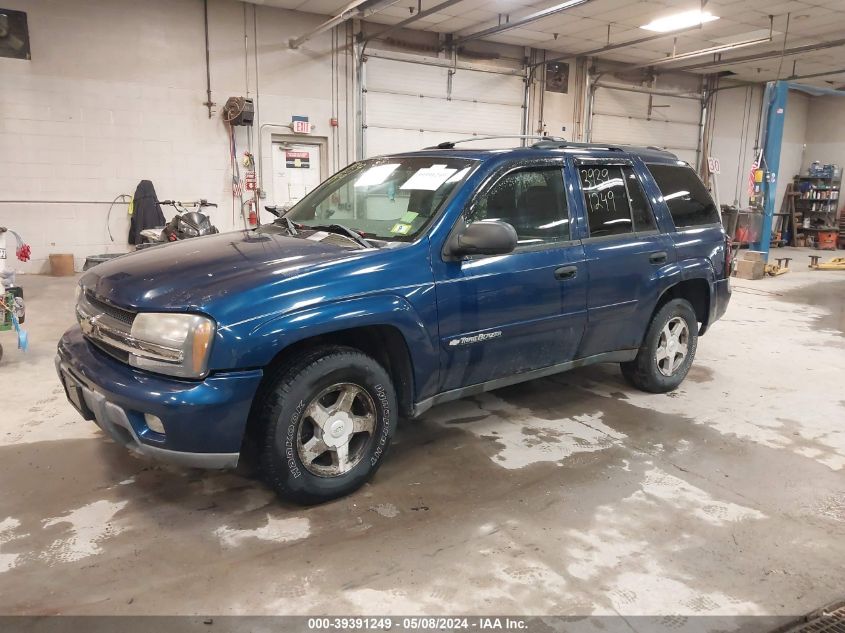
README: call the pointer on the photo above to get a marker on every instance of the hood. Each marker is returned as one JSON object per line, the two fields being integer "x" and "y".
{"x": 192, "y": 274}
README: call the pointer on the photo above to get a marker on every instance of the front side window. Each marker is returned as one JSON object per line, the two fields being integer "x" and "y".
{"x": 686, "y": 196}
{"x": 532, "y": 200}
{"x": 389, "y": 198}
{"x": 614, "y": 200}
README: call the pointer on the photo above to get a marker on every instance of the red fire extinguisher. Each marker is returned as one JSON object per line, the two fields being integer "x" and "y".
{"x": 253, "y": 216}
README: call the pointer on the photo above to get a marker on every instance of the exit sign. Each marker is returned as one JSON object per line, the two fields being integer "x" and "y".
{"x": 301, "y": 125}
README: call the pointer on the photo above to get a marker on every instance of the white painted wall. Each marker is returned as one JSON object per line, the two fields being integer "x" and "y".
{"x": 736, "y": 119}
{"x": 113, "y": 94}
{"x": 825, "y": 131}
{"x": 794, "y": 140}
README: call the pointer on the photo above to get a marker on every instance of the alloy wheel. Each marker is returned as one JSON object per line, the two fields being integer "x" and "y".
{"x": 337, "y": 426}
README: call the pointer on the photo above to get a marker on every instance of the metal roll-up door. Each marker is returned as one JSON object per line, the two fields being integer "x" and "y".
{"x": 620, "y": 116}
{"x": 408, "y": 106}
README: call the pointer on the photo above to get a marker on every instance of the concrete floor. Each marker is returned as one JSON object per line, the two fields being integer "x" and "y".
{"x": 569, "y": 495}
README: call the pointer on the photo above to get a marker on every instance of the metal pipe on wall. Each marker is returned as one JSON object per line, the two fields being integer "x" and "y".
{"x": 208, "y": 102}
{"x": 697, "y": 96}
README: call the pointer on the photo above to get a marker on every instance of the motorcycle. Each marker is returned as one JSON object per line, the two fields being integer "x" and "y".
{"x": 184, "y": 225}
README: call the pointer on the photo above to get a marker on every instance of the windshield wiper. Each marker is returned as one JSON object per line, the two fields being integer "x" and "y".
{"x": 288, "y": 224}
{"x": 342, "y": 230}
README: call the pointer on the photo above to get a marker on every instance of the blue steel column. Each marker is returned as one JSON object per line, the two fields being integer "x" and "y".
{"x": 776, "y": 93}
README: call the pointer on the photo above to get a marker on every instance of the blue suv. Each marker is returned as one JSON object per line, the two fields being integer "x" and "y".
{"x": 399, "y": 283}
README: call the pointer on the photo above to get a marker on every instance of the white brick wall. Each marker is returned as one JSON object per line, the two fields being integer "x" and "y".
{"x": 113, "y": 95}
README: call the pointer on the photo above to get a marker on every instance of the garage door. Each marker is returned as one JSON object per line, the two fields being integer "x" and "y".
{"x": 620, "y": 116}
{"x": 409, "y": 105}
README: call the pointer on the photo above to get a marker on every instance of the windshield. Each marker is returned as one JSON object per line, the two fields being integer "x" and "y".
{"x": 389, "y": 198}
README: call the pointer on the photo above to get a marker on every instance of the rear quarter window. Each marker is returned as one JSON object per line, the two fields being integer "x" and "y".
{"x": 686, "y": 196}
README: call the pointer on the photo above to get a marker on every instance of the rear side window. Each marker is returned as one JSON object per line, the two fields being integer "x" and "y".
{"x": 688, "y": 200}
{"x": 615, "y": 201}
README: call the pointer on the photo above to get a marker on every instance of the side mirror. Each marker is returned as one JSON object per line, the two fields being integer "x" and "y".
{"x": 488, "y": 237}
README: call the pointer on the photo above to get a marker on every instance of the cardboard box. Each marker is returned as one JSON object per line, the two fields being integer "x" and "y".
{"x": 754, "y": 256}
{"x": 747, "y": 269}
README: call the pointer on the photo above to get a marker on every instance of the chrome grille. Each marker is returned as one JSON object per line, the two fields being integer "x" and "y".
{"x": 124, "y": 316}
{"x": 110, "y": 329}
{"x": 115, "y": 319}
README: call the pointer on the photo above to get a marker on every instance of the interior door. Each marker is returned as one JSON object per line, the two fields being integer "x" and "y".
{"x": 626, "y": 255}
{"x": 503, "y": 315}
{"x": 296, "y": 171}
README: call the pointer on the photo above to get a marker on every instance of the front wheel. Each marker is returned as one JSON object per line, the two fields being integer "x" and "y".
{"x": 328, "y": 421}
{"x": 667, "y": 351}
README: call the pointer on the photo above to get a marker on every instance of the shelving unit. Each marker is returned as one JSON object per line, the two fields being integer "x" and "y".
{"x": 816, "y": 198}
{"x": 841, "y": 243}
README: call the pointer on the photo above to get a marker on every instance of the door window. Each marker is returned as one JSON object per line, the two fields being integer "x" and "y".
{"x": 614, "y": 200}
{"x": 532, "y": 200}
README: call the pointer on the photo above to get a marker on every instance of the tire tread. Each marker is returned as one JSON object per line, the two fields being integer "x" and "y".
{"x": 641, "y": 372}
{"x": 282, "y": 380}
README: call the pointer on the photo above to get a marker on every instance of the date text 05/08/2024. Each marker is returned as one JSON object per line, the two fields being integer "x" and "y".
{"x": 421, "y": 623}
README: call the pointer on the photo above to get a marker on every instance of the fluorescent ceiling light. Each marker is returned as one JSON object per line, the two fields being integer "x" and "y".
{"x": 679, "y": 21}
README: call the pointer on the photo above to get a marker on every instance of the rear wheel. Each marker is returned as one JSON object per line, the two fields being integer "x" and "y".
{"x": 328, "y": 421}
{"x": 668, "y": 349}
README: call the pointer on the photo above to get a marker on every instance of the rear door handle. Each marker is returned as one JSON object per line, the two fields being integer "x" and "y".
{"x": 658, "y": 258}
{"x": 566, "y": 272}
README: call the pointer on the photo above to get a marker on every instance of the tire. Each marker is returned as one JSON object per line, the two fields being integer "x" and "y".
{"x": 320, "y": 402}
{"x": 648, "y": 372}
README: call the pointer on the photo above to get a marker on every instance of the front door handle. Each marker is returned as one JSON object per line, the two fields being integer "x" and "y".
{"x": 658, "y": 258}
{"x": 566, "y": 272}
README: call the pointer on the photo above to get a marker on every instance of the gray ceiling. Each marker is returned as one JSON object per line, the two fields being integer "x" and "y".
{"x": 585, "y": 27}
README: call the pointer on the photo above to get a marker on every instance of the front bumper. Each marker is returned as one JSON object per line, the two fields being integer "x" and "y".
{"x": 204, "y": 421}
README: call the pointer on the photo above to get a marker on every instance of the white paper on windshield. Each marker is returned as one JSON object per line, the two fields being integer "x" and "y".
{"x": 375, "y": 175}
{"x": 429, "y": 178}
{"x": 459, "y": 176}
{"x": 319, "y": 236}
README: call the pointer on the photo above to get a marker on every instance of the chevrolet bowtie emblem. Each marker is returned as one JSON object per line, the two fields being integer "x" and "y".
{"x": 88, "y": 325}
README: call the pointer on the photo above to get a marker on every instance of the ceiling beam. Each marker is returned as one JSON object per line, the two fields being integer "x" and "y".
{"x": 355, "y": 9}
{"x": 532, "y": 17}
{"x": 798, "y": 50}
{"x": 613, "y": 47}
{"x": 417, "y": 16}
{"x": 812, "y": 75}
{"x": 705, "y": 51}
{"x": 713, "y": 49}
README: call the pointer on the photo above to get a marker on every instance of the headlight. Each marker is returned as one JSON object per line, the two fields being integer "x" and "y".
{"x": 170, "y": 343}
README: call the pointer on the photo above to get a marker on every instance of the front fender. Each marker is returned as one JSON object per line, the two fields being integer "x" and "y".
{"x": 263, "y": 343}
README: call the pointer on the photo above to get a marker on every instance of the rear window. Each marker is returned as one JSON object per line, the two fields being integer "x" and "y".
{"x": 688, "y": 200}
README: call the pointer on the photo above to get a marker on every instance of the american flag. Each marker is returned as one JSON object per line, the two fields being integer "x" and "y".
{"x": 237, "y": 188}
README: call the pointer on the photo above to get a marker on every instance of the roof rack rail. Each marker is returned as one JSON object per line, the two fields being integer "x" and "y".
{"x": 559, "y": 144}
{"x": 451, "y": 144}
